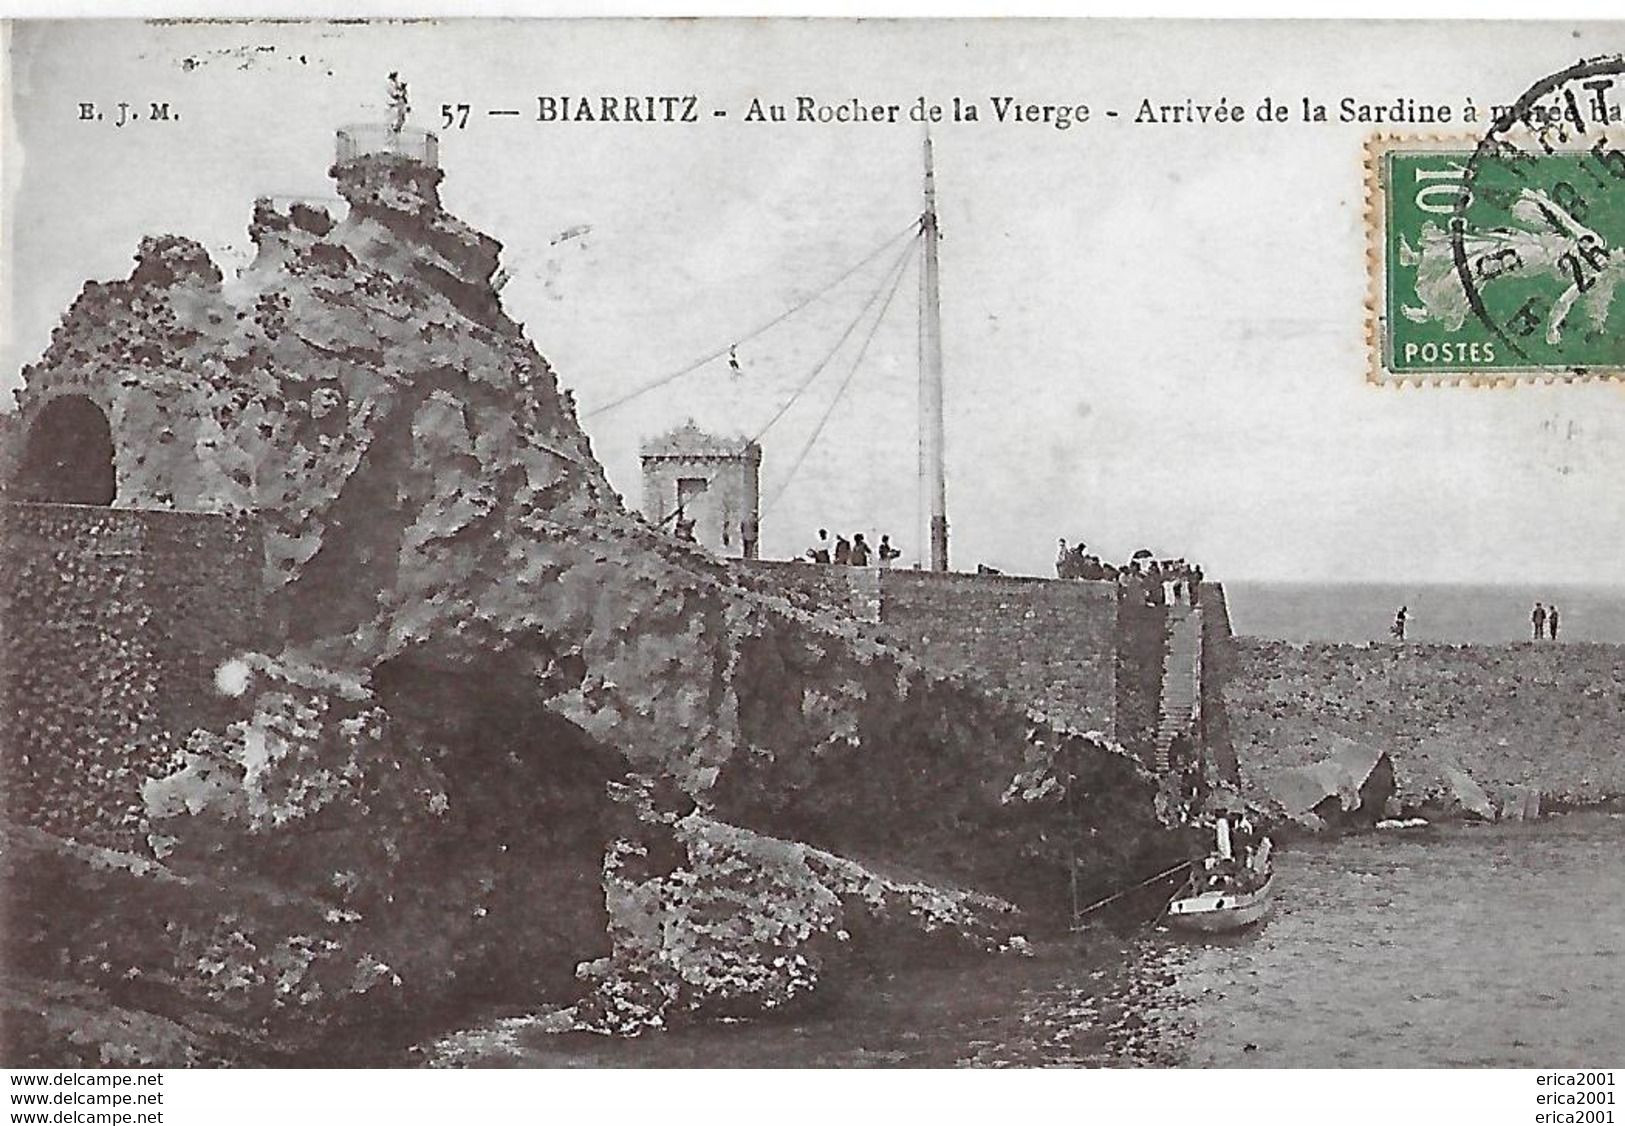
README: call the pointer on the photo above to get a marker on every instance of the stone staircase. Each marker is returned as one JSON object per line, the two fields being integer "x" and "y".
{"x": 1181, "y": 681}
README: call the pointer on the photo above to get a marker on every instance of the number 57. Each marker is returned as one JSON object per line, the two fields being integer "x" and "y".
{"x": 454, "y": 117}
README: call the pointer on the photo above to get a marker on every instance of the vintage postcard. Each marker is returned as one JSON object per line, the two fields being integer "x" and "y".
{"x": 787, "y": 543}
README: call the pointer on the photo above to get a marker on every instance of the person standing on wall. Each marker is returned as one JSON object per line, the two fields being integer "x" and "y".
{"x": 859, "y": 556}
{"x": 819, "y": 552}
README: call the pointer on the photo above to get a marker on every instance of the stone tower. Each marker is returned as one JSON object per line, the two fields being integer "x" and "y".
{"x": 710, "y": 484}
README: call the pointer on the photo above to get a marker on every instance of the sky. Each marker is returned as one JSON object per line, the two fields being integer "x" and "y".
{"x": 1154, "y": 335}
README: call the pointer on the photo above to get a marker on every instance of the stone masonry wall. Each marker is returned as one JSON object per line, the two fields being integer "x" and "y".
{"x": 1547, "y": 716}
{"x": 1079, "y": 651}
{"x": 114, "y": 621}
{"x": 1141, "y": 652}
{"x": 815, "y": 588}
{"x": 1045, "y": 642}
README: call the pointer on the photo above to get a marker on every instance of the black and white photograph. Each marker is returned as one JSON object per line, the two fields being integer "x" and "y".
{"x": 817, "y": 544}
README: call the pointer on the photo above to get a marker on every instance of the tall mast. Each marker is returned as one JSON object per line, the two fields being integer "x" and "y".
{"x": 931, "y": 446}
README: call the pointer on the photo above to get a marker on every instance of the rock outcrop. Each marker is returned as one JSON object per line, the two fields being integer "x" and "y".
{"x": 1352, "y": 785}
{"x": 467, "y": 647}
{"x": 749, "y": 923}
{"x": 1437, "y": 785}
{"x": 1519, "y": 803}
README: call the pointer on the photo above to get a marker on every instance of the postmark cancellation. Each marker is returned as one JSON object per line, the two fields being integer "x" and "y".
{"x": 1498, "y": 258}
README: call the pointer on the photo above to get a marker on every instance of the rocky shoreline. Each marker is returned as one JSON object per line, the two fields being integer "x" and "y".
{"x": 489, "y": 727}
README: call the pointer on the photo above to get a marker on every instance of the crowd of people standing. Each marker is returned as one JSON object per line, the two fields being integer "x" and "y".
{"x": 854, "y": 552}
{"x": 1164, "y": 582}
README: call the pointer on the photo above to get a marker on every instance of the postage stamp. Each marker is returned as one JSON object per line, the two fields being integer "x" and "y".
{"x": 1500, "y": 257}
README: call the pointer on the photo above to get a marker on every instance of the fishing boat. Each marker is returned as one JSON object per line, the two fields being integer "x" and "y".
{"x": 1224, "y": 892}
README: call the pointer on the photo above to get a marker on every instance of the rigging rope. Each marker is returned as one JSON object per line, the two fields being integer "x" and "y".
{"x": 857, "y": 362}
{"x": 913, "y": 226}
{"x": 897, "y": 267}
{"x": 845, "y": 336}
{"x": 1132, "y": 887}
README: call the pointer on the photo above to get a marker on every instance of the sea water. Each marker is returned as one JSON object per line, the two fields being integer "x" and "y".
{"x": 1463, "y": 946}
{"x": 1455, "y": 946}
{"x": 1455, "y": 613}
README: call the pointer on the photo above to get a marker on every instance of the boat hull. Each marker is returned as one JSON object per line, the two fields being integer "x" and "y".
{"x": 1217, "y": 911}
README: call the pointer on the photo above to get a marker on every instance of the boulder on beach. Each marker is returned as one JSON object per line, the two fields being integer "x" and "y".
{"x": 1520, "y": 803}
{"x": 1466, "y": 795}
{"x": 1434, "y": 782}
{"x": 1353, "y": 779}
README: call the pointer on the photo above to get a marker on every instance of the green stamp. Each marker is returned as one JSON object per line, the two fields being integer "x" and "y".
{"x": 1503, "y": 257}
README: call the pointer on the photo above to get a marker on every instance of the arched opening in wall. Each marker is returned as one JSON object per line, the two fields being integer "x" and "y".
{"x": 68, "y": 456}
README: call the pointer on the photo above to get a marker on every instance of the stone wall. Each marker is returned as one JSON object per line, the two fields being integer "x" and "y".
{"x": 1551, "y": 716}
{"x": 1140, "y": 655}
{"x": 1076, "y": 650}
{"x": 1045, "y": 642}
{"x": 114, "y": 622}
{"x": 854, "y": 591}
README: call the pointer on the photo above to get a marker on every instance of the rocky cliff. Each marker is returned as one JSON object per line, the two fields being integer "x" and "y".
{"x": 481, "y": 693}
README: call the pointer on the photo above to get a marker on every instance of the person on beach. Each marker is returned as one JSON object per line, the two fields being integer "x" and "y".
{"x": 1538, "y": 619}
{"x": 1399, "y": 623}
{"x": 1551, "y": 623}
